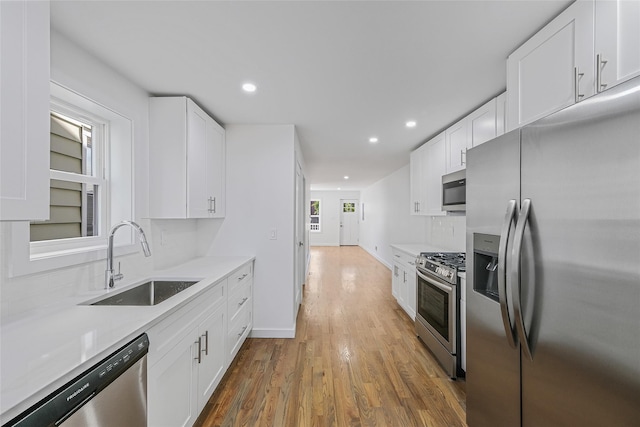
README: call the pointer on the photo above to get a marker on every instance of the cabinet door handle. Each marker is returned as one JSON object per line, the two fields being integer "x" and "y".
{"x": 243, "y": 276}
{"x": 600, "y": 63}
{"x": 244, "y": 328}
{"x": 199, "y": 358}
{"x": 577, "y": 75}
{"x": 206, "y": 343}
{"x": 243, "y": 301}
{"x": 214, "y": 205}
{"x": 210, "y": 200}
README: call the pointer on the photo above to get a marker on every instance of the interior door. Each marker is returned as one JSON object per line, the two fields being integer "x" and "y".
{"x": 348, "y": 222}
{"x": 300, "y": 235}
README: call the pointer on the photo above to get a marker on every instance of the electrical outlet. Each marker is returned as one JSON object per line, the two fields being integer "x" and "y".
{"x": 273, "y": 234}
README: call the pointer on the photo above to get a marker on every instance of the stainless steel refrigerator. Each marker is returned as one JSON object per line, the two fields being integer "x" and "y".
{"x": 553, "y": 269}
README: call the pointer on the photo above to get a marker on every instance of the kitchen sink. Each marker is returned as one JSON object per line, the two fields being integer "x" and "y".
{"x": 148, "y": 293}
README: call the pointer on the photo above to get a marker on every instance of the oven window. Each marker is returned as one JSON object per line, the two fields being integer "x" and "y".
{"x": 433, "y": 306}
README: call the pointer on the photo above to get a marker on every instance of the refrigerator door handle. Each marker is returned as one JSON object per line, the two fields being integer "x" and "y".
{"x": 509, "y": 219}
{"x": 515, "y": 276}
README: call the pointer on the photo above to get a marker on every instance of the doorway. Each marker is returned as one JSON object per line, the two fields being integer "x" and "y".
{"x": 349, "y": 222}
{"x": 299, "y": 262}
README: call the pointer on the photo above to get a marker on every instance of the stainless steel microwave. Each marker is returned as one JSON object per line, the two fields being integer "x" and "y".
{"x": 454, "y": 191}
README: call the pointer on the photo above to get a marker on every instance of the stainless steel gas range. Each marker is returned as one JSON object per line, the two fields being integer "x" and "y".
{"x": 438, "y": 307}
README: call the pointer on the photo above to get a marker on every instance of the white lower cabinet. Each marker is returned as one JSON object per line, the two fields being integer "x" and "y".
{"x": 172, "y": 386}
{"x": 403, "y": 281}
{"x": 191, "y": 349}
{"x": 240, "y": 309}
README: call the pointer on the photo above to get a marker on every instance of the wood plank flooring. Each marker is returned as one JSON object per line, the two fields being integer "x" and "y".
{"x": 355, "y": 360}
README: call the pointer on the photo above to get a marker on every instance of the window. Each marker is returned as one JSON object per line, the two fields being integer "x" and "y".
{"x": 314, "y": 211}
{"x": 92, "y": 176}
{"x": 77, "y": 179}
{"x": 348, "y": 207}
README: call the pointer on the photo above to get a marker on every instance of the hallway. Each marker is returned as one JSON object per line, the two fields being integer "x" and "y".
{"x": 355, "y": 360}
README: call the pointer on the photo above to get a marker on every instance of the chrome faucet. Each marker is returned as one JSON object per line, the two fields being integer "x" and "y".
{"x": 109, "y": 276}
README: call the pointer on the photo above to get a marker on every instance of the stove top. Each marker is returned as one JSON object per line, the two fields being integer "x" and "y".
{"x": 445, "y": 265}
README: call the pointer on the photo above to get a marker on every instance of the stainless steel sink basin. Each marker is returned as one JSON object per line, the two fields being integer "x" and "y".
{"x": 149, "y": 293}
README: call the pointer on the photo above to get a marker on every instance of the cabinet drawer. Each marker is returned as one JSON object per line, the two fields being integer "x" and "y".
{"x": 242, "y": 275}
{"x": 239, "y": 298}
{"x": 165, "y": 334}
{"x": 409, "y": 261}
{"x": 239, "y": 330}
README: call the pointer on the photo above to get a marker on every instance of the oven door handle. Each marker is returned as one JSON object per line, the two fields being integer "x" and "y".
{"x": 443, "y": 287}
{"x": 509, "y": 326}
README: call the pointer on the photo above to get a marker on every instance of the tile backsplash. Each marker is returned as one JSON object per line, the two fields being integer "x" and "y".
{"x": 448, "y": 232}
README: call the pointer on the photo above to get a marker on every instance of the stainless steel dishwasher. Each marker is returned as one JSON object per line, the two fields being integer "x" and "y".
{"x": 111, "y": 393}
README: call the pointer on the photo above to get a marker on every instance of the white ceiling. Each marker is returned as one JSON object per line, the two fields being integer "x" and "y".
{"x": 341, "y": 71}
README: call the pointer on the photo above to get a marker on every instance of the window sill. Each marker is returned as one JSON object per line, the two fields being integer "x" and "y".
{"x": 22, "y": 262}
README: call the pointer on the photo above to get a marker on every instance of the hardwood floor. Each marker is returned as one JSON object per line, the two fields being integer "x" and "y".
{"x": 355, "y": 360}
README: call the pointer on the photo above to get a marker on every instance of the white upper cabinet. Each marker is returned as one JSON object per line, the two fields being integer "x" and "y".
{"x": 435, "y": 168}
{"x": 186, "y": 161}
{"x": 482, "y": 124}
{"x": 417, "y": 166}
{"x": 473, "y": 130}
{"x": 427, "y": 165}
{"x": 617, "y": 42}
{"x": 553, "y": 69}
{"x": 24, "y": 103}
{"x": 456, "y": 143}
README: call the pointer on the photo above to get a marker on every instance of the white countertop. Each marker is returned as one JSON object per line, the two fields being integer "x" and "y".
{"x": 40, "y": 353}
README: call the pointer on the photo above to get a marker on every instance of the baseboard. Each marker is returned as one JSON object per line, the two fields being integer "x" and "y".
{"x": 272, "y": 333}
{"x": 375, "y": 255}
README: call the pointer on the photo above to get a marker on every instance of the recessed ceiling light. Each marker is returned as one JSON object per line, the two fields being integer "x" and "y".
{"x": 249, "y": 87}
{"x": 346, "y": 177}
{"x": 410, "y": 124}
{"x": 373, "y": 140}
{"x": 338, "y": 188}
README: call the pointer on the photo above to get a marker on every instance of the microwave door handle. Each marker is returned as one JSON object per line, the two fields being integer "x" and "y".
{"x": 515, "y": 276}
{"x": 442, "y": 287}
{"x": 509, "y": 327}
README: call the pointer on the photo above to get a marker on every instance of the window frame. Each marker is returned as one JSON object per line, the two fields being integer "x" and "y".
{"x": 117, "y": 165}
{"x": 100, "y": 136}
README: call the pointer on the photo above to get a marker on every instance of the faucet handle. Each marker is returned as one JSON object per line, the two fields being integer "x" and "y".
{"x": 119, "y": 275}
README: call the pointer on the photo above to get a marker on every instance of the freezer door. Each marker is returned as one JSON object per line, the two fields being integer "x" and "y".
{"x": 580, "y": 271}
{"x": 493, "y": 366}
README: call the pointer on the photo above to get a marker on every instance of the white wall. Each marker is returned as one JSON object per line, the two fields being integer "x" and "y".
{"x": 387, "y": 220}
{"x": 386, "y": 216}
{"x": 329, "y": 234}
{"x": 81, "y": 72}
{"x": 260, "y": 198}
